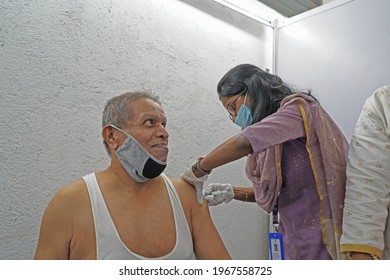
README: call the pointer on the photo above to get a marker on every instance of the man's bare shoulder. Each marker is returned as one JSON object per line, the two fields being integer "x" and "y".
{"x": 71, "y": 195}
{"x": 182, "y": 184}
{"x": 183, "y": 188}
{"x": 68, "y": 205}
{"x": 186, "y": 192}
{"x": 187, "y": 195}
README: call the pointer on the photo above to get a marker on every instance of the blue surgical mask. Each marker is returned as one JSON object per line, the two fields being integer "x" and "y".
{"x": 137, "y": 161}
{"x": 244, "y": 117}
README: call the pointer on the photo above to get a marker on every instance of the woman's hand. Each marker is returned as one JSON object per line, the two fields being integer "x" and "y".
{"x": 216, "y": 193}
{"x": 197, "y": 182}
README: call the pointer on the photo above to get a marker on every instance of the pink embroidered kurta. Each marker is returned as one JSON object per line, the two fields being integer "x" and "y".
{"x": 299, "y": 156}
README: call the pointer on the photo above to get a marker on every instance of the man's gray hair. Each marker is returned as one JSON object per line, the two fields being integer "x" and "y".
{"x": 118, "y": 110}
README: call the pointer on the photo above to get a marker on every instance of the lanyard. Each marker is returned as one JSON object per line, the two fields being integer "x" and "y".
{"x": 275, "y": 238}
{"x": 275, "y": 216}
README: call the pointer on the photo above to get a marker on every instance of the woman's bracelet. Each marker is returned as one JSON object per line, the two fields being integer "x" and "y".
{"x": 203, "y": 172}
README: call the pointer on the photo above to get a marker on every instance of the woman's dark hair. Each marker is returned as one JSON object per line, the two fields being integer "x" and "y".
{"x": 265, "y": 90}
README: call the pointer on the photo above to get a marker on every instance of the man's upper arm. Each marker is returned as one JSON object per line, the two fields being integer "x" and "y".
{"x": 55, "y": 231}
{"x": 207, "y": 241}
{"x": 208, "y": 244}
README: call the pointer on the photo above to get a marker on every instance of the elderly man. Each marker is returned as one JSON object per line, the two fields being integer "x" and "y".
{"x": 131, "y": 210}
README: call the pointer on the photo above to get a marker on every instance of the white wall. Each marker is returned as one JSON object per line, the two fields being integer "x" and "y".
{"x": 341, "y": 52}
{"x": 61, "y": 60}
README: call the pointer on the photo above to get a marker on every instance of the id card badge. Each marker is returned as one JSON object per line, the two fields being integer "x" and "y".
{"x": 276, "y": 246}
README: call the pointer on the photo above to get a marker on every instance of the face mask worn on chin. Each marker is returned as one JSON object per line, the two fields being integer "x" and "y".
{"x": 137, "y": 161}
{"x": 244, "y": 117}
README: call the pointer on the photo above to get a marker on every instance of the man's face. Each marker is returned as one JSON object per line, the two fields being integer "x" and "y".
{"x": 147, "y": 125}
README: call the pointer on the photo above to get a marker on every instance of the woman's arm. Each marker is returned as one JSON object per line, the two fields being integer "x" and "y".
{"x": 232, "y": 149}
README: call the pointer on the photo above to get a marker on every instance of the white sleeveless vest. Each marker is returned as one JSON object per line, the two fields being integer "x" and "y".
{"x": 109, "y": 246}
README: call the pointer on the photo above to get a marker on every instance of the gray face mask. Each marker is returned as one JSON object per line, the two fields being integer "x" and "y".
{"x": 137, "y": 161}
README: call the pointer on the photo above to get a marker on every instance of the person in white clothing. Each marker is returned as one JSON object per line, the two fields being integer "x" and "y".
{"x": 366, "y": 223}
{"x": 131, "y": 210}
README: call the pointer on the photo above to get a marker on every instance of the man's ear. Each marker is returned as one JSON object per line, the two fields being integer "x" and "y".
{"x": 110, "y": 135}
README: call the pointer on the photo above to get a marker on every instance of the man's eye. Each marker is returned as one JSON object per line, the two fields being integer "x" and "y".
{"x": 149, "y": 122}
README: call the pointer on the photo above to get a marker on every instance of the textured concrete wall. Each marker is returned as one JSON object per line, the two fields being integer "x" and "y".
{"x": 61, "y": 60}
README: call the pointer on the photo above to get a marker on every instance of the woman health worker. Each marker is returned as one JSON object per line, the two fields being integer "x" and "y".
{"x": 296, "y": 159}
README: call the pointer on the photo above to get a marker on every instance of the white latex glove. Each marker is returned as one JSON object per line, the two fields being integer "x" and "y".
{"x": 216, "y": 193}
{"x": 190, "y": 178}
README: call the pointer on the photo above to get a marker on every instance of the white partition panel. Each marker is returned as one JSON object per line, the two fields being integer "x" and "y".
{"x": 341, "y": 52}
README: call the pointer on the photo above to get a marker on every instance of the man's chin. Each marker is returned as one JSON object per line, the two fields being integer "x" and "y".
{"x": 162, "y": 156}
